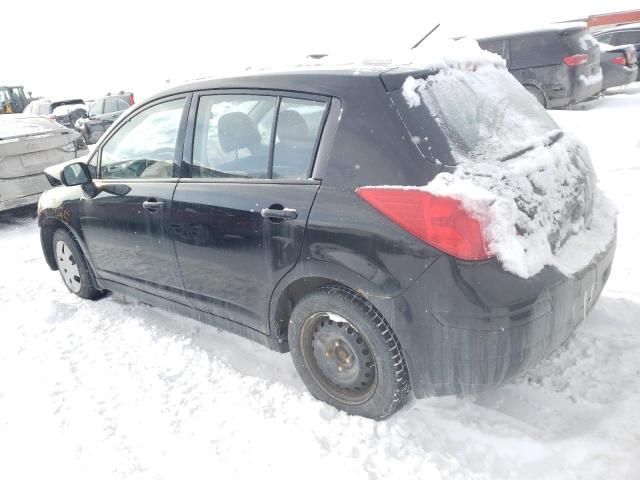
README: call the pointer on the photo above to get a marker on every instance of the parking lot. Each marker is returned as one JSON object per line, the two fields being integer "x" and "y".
{"x": 115, "y": 388}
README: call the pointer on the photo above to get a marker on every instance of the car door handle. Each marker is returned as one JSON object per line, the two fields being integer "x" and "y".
{"x": 280, "y": 213}
{"x": 152, "y": 205}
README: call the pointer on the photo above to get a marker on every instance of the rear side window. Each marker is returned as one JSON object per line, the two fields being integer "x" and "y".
{"x": 297, "y": 134}
{"x": 234, "y": 136}
{"x": 536, "y": 51}
{"x": 630, "y": 36}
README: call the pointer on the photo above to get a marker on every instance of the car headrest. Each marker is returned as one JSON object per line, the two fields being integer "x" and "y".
{"x": 236, "y": 130}
{"x": 292, "y": 127}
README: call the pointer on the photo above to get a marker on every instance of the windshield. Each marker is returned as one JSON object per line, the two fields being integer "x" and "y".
{"x": 483, "y": 113}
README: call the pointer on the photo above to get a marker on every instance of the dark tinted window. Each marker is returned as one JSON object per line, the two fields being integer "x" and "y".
{"x": 630, "y": 36}
{"x": 299, "y": 123}
{"x": 233, "y": 135}
{"x": 144, "y": 146}
{"x": 500, "y": 47}
{"x": 536, "y": 51}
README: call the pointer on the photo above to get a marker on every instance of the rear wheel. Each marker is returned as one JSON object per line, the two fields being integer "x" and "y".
{"x": 535, "y": 91}
{"x": 346, "y": 353}
{"x": 72, "y": 266}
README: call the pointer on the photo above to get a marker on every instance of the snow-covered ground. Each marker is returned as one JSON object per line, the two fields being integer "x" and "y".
{"x": 115, "y": 389}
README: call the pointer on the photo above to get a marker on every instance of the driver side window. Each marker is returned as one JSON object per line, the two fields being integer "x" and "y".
{"x": 145, "y": 146}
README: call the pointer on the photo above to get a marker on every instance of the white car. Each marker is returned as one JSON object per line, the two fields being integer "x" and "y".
{"x": 28, "y": 145}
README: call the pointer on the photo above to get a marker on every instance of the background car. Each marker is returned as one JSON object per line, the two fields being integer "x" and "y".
{"x": 619, "y": 65}
{"x": 559, "y": 65}
{"x": 28, "y": 144}
{"x": 102, "y": 113}
{"x": 65, "y": 112}
{"x": 621, "y": 35}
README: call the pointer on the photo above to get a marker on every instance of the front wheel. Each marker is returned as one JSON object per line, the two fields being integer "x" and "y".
{"x": 72, "y": 266}
{"x": 346, "y": 353}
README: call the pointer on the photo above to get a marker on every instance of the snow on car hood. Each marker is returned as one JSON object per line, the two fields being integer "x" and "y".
{"x": 538, "y": 205}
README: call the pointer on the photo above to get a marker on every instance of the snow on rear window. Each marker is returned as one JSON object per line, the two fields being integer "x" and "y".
{"x": 498, "y": 116}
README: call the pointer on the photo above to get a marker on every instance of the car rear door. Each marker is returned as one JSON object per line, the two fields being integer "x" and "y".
{"x": 125, "y": 223}
{"x": 238, "y": 221}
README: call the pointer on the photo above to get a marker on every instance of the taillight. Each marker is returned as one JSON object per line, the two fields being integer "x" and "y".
{"x": 575, "y": 60}
{"x": 619, "y": 61}
{"x": 442, "y": 222}
{"x": 131, "y": 101}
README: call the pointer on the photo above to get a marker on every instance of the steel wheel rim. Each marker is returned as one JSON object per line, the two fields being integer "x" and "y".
{"x": 339, "y": 358}
{"x": 68, "y": 267}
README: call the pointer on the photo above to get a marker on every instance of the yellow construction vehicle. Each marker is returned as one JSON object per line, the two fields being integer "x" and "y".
{"x": 12, "y": 99}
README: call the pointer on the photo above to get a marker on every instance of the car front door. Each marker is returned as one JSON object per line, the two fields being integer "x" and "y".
{"x": 238, "y": 221}
{"x": 126, "y": 223}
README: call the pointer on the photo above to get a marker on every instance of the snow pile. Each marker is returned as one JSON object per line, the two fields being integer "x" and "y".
{"x": 538, "y": 204}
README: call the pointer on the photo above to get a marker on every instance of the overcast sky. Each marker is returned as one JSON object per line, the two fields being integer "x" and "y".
{"x": 86, "y": 48}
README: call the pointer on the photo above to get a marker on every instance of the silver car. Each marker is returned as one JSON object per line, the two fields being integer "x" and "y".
{"x": 29, "y": 144}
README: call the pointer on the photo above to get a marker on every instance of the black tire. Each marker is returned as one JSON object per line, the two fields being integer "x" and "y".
{"x": 535, "y": 91}
{"x": 72, "y": 266}
{"x": 336, "y": 327}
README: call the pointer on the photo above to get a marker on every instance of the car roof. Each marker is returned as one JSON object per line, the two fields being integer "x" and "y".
{"x": 319, "y": 80}
{"x": 565, "y": 28}
{"x": 619, "y": 28}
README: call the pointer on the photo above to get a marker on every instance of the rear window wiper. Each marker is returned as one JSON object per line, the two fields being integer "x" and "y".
{"x": 552, "y": 138}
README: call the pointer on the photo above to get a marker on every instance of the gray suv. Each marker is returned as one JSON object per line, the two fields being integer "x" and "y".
{"x": 559, "y": 64}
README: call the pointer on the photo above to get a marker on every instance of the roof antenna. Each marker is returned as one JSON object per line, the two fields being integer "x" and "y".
{"x": 423, "y": 38}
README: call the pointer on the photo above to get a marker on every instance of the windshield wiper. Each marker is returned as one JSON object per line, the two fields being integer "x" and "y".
{"x": 552, "y": 138}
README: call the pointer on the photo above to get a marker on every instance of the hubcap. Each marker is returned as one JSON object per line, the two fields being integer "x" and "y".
{"x": 68, "y": 266}
{"x": 339, "y": 358}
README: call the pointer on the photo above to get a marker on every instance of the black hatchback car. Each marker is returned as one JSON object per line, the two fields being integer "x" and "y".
{"x": 559, "y": 65}
{"x": 256, "y": 204}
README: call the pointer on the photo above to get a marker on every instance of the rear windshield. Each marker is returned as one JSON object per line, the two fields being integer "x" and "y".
{"x": 579, "y": 42}
{"x": 483, "y": 114}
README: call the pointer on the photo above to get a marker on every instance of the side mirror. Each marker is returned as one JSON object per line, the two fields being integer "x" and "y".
{"x": 76, "y": 174}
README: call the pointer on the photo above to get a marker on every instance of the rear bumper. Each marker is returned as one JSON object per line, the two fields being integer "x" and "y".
{"x": 21, "y": 191}
{"x": 457, "y": 337}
